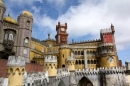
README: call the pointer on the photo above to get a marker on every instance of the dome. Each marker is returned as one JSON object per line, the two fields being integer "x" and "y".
{"x": 27, "y": 13}
{"x": 9, "y": 19}
{"x": 1, "y": 2}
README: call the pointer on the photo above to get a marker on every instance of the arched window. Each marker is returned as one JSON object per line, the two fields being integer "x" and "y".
{"x": 28, "y": 23}
{"x": 82, "y": 61}
{"x": 10, "y": 36}
{"x": 26, "y": 40}
{"x": 76, "y": 62}
{"x": 6, "y": 36}
{"x": 88, "y": 61}
{"x": 95, "y": 62}
{"x": 82, "y": 53}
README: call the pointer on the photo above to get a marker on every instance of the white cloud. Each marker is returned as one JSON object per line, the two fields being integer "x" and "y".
{"x": 89, "y": 18}
{"x": 58, "y": 4}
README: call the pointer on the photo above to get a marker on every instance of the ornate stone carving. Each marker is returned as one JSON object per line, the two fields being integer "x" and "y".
{"x": 8, "y": 44}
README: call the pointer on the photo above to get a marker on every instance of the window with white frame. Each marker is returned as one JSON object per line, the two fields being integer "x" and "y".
{"x": 10, "y": 36}
{"x": 42, "y": 49}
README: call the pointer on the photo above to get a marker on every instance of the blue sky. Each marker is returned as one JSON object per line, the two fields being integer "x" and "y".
{"x": 85, "y": 18}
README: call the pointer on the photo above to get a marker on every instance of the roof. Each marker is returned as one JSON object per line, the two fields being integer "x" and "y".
{"x": 1, "y": 2}
{"x": 27, "y": 13}
{"x": 10, "y": 20}
{"x": 38, "y": 41}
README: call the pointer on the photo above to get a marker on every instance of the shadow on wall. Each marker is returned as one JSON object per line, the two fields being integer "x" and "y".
{"x": 85, "y": 82}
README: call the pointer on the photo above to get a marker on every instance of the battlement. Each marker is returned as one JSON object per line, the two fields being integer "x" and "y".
{"x": 51, "y": 59}
{"x": 61, "y": 26}
{"x": 63, "y": 72}
{"x": 32, "y": 78}
{"x": 85, "y": 41}
{"x": 13, "y": 61}
{"x": 64, "y": 46}
{"x": 101, "y": 70}
{"x": 106, "y": 30}
{"x": 105, "y": 44}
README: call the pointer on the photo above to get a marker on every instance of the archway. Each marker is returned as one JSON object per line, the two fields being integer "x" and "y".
{"x": 85, "y": 82}
{"x": 63, "y": 66}
{"x": 61, "y": 83}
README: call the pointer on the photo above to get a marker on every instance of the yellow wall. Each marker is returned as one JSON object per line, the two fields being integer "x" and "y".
{"x": 71, "y": 65}
{"x": 36, "y": 49}
{"x": 15, "y": 77}
{"x": 105, "y": 63}
{"x": 61, "y": 59}
{"x": 51, "y": 68}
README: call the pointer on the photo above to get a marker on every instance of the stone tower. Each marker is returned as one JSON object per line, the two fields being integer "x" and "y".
{"x": 2, "y": 11}
{"x": 50, "y": 65}
{"x": 64, "y": 53}
{"x": 70, "y": 62}
{"x": 62, "y": 35}
{"x": 107, "y": 48}
{"x": 25, "y": 21}
{"x": 15, "y": 70}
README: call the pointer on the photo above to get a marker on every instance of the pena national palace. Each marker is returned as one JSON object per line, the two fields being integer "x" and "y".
{"x": 27, "y": 61}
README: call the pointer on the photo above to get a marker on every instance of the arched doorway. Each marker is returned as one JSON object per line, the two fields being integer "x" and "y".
{"x": 61, "y": 83}
{"x": 85, "y": 82}
{"x": 63, "y": 66}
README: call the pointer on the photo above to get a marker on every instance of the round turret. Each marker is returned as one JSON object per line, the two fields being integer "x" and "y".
{"x": 50, "y": 65}
{"x": 70, "y": 62}
{"x": 2, "y": 10}
{"x": 64, "y": 53}
{"x": 25, "y": 21}
{"x": 15, "y": 70}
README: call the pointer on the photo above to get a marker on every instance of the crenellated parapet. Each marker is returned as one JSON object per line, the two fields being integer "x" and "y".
{"x": 35, "y": 79}
{"x": 16, "y": 61}
{"x": 15, "y": 70}
{"x": 63, "y": 72}
{"x": 113, "y": 70}
{"x": 50, "y": 65}
{"x": 104, "y": 31}
{"x": 50, "y": 58}
{"x": 85, "y": 41}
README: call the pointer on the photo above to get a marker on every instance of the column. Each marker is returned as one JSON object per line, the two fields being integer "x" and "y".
{"x": 85, "y": 59}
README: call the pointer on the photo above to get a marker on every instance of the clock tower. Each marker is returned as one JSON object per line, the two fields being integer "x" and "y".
{"x": 62, "y": 35}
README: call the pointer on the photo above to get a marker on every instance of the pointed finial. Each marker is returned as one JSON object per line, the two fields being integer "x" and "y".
{"x": 48, "y": 36}
{"x": 112, "y": 25}
{"x": 9, "y": 14}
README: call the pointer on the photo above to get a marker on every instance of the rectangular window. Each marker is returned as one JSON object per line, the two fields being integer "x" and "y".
{"x": 42, "y": 49}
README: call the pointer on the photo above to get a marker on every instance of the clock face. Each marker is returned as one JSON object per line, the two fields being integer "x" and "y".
{"x": 110, "y": 59}
{"x": 26, "y": 40}
{"x": 62, "y": 29}
{"x": 25, "y": 51}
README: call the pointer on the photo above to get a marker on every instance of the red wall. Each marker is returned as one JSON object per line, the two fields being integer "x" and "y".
{"x": 34, "y": 67}
{"x": 3, "y": 68}
{"x": 107, "y": 38}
